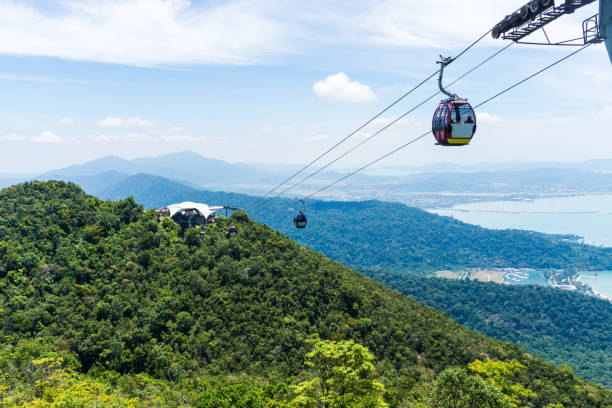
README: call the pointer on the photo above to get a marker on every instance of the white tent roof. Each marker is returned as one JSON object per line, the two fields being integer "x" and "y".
{"x": 204, "y": 209}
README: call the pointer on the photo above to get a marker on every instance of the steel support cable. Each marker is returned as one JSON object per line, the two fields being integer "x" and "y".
{"x": 388, "y": 125}
{"x": 428, "y": 132}
{"x": 367, "y": 165}
{"x": 372, "y": 119}
{"x": 472, "y": 44}
{"x": 533, "y": 75}
{"x": 368, "y": 122}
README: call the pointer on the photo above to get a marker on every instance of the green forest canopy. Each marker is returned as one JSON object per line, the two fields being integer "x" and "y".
{"x": 562, "y": 327}
{"x": 111, "y": 289}
{"x": 387, "y": 235}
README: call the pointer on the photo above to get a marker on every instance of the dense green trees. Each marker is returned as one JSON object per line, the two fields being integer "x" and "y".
{"x": 340, "y": 375}
{"x": 343, "y": 376}
{"x": 111, "y": 289}
{"x": 457, "y": 388}
{"x": 562, "y": 327}
{"x": 387, "y": 235}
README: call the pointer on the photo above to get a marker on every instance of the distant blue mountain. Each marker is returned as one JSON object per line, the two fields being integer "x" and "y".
{"x": 186, "y": 167}
{"x": 198, "y": 171}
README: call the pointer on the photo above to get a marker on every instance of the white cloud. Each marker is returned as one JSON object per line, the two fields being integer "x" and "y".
{"x": 173, "y": 32}
{"x": 606, "y": 112}
{"x": 596, "y": 74}
{"x": 48, "y": 80}
{"x": 266, "y": 129}
{"x": 142, "y": 32}
{"x": 134, "y": 136}
{"x": 184, "y": 138}
{"x": 418, "y": 24}
{"x": 47, "y": 137}
{"x": 362, "y": 135}
{"x": 12, "y": 137}
{"x": 104, "y": 137}
{"x": 382, "y": 121}
{"x": 315, "y": 138}
{"x": 340, "y": 88}
{"x": 112, "y": 137}
{"x": 484, "y": 117}
{"x": 138, "y": 136}
{"x": 66, "y": 121}
{"x": 112, "y": 121}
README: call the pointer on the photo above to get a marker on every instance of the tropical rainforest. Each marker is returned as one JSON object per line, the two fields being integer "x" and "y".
{"x": 560, "y": 326}
{"x": 105, "y": 304}
{"x": 380, "y": 234}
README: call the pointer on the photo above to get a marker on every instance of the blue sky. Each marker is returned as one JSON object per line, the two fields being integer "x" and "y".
{"x": 280, "y": 81}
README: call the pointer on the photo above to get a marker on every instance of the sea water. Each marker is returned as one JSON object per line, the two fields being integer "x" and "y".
{"x": 601, "y": 284}
{"x": 588, "y": 216}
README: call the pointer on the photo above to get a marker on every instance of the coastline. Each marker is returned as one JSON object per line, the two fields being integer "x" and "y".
{"x": 593, "y": 291}
{"x": 511, "y": 276}
{"x": 575, "y": 218}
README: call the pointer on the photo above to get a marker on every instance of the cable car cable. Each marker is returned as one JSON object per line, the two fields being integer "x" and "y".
{"x": 472, "y": 44}
{"x": 347, "y": 137}
{"x": 389, "y": 124}
{"x": 369, "y": 121}
{"x": 533, "y": 75}
{"x": 368, "y": 165}
{"x": 428, "y": 132}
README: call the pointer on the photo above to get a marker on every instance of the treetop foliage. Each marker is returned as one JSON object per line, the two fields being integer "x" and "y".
{"x": 111, "y": 288}
{"x": 562, "y": 327}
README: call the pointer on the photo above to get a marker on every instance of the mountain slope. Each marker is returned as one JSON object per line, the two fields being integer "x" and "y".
{"x": 392, "y": 236}
{"x": 560, "y": 326}
{"x": 416, "y": 233}
{"x": 93, "y": 167}
{"x": 125, "y": 292}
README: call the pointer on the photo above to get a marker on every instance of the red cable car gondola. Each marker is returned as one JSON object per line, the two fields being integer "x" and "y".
{"x": 454, "y": 121}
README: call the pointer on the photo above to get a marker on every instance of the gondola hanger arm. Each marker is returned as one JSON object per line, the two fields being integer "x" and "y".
{"x": 443, "y": 63}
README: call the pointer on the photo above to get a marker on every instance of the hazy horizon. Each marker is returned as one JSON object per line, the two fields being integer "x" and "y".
{"x": 278, "y": 82}
{"x": 381, "y": 169}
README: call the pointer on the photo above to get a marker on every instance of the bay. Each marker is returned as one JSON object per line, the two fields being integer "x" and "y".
{"x": 601, "y": 284}
{"x": 588, "y": 216}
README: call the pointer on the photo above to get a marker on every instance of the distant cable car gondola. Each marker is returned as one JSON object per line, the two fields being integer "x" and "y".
{"x": 300, "y": 219}
{"x": 454, "y": 122}
{"x": 232, "y": 231}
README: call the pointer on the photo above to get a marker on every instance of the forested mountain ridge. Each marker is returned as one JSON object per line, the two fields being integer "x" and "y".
{"x": 562, "y": 327}
{"x": 257, "y": 178}
{"x": 114, "y": 290}
{"x": 381, "y": 234}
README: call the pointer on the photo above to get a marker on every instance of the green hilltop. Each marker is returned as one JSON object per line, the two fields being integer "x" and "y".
{"x": 391, "y": 236}
{"x": 120, "y": 300}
